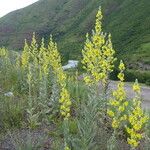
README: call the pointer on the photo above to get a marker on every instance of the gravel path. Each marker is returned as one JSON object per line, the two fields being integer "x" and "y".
{"x": 145, "y": 91}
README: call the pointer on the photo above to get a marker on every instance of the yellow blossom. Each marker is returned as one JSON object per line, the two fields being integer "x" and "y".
{"x": 133, "y": 142}
{"x": 121, "y": 108}
{"x": 137, "y": 119}
{"x": 98, "y": 54}
{"x": 121, "y": 76}
{"x": 122, "y": 66}
{"x": 115, "y": 123}
{"x": 55, "y": 63}
{"x": 110, "y": 113}
{"x": 136, "y": 87}
{"x": 118, "y": 104}
{"x": 25, "y": 55}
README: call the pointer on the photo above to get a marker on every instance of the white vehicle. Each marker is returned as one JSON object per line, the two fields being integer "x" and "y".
{"x": 71, "y": 64}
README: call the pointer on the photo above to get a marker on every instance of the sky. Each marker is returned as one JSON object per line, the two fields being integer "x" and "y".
{"x": 7, "y": 6}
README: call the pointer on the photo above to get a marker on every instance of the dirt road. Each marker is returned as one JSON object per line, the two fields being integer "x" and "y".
{"x": 145, "y": 90}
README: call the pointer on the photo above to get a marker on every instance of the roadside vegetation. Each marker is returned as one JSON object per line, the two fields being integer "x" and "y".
{"x": 44, "y": 107}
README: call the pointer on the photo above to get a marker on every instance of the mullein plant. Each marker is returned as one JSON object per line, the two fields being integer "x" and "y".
{"x": 33, "y": 114}
{"x": 65, "y": 102}
{"x": 25, "y": 62}
{"x": 25, "y": 55}
{"x": 55, "y": 62}
{"x": 125, "y": 117}
{"x": 43, "y": 72}
{"x": 98, "y": 61}
{"x": 34, "y": 50}
{"x": 21, "y": 76}
{"x": 118, "y": 103}
{"x": 137, "y": 119}
{"x": 117, "y": 109}
{"x": 35, "y": 64}
{"x": 43, "y": 75}
{"x": 30, "y": 109}
{"x": 37, "y": 58}
{"x": 98, "y": 54}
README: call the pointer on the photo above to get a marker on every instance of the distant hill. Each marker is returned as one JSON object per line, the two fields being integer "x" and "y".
{"x": 69, "y": 21}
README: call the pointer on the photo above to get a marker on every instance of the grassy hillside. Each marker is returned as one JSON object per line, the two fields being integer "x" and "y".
{"x": 69, "y": 20}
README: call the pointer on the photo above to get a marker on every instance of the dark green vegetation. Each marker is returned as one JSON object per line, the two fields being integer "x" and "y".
{"x": 69, "y": 21}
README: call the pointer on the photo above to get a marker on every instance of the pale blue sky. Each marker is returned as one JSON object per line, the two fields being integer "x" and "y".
{"x": 7, "y": 6}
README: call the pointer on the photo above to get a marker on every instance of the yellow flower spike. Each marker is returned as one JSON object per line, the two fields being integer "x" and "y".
{"x": 25, "y": 55}
{"x": 43, "y": 59}
{"x": 136, "y": 87}
{"x": 118, "y": 104}
{"x": 122, "y": 66}
{"x": 34, "y": 47}
{"x": 55, "y": 63}
{"x": 136, "y": 120}
{"x": 98, "y": 54}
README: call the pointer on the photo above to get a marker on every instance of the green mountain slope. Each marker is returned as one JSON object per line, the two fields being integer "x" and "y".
{"x": 69, "y": 21}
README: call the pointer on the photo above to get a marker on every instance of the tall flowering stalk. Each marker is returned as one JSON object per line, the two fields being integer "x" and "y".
{"x": 98, "y": 54}
{"x": 137, "y": 119}
{"x": 25, "y": 55}
{"x": 43, "y": 59}
{"x": 43, "y": 73}
{"x": 55, "y": 62}
{"x": 118, "y": 104}
{"x": 127, "y": 118}
{"x": 35, "y": 63}
{"x": 65, "y": 102}
{"x": 34, "y": 49}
